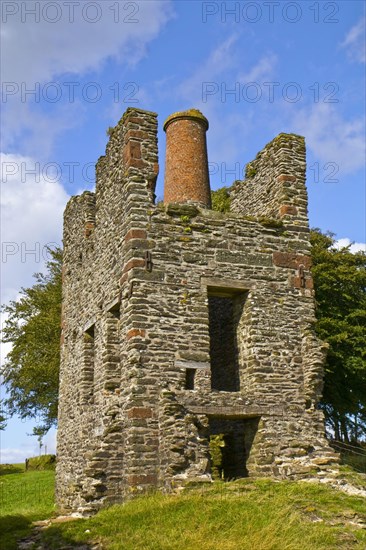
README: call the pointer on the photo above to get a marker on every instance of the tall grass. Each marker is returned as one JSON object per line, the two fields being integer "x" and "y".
{"x": 242, "y": 515}
{"x": 245, "y": 515}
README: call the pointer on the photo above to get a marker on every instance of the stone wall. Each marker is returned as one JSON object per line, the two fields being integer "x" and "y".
{"x": 139, "y": 279}
{"x": 274, "y": 185}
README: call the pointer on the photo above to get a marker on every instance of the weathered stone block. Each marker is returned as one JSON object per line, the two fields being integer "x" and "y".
{"x": 140, "y": 412}
{"x": 291, "y": 260}
{"x": 135, "y": 234}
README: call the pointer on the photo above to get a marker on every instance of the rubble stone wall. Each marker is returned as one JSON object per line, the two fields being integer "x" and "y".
{"x": 274, "y": 184}
{"x": 138, "y": 280}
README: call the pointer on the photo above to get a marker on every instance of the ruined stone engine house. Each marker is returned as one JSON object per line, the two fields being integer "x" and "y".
{"x": 181, "y": 323}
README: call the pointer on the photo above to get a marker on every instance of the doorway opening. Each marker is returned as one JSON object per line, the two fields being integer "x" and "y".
{"x": 230, "y": 445}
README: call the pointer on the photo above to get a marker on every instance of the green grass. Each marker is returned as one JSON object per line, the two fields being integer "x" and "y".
{"x": 242, "y": 515}
{"x": 24, "y": 497}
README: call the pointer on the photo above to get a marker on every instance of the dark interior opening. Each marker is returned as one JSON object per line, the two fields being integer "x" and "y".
{"x": 190, "y": 373}
{"x": 115, "y": 311}
{"x": 230, "y": 445}
{"x": 87, "y": 371}
{"x": 225, "y": 312}
{"x": 90, "y": 332}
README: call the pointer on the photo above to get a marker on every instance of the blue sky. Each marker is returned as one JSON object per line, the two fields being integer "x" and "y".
{"x": 255, "y": 69}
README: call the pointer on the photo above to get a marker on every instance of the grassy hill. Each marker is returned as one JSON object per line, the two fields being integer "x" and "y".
{"x": 241, "y": 515}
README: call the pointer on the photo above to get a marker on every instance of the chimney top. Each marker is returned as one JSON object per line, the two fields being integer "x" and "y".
{"x": 192, "y": 114}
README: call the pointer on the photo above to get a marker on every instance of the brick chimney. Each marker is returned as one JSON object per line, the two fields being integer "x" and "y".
{"x": 186, "y": 164}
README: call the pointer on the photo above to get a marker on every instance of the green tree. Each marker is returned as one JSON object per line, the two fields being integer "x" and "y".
{"x": 2, "y": 418}
{"x": 221, "y": 200}
{"x": 340, "y": 292}
{"x": 31, "y": 369}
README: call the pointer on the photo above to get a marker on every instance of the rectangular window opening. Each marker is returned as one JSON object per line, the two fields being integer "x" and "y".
{"x": 225, "y": 313}
{"x": 87, "y": 375}
{"x": 114, "y": 307}
{"x": 190, "y": 374}
{"x": 112, "y": 361}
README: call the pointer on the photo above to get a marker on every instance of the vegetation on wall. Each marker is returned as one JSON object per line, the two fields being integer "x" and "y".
{"x": 220, "y": 200}
{"x": 216, "y": 444}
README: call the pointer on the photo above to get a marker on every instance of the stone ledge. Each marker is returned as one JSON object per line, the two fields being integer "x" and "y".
{"x": 229, "y": 284}
{"x": 244, "y": 411}
{"x": 144, "y": 479}
{"x": 192, "y": 364}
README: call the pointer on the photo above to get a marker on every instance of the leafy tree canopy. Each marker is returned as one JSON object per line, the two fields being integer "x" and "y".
{"x": 31, "y": 369}
{"x": 340, "y": 291}
{"x": 221, "y": 200}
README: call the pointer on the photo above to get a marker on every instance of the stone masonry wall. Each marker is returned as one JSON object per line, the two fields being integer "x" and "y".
{"x": 138, "y": 278}
{"x": 98, "y": 253}
{"x": 274, "y": 185}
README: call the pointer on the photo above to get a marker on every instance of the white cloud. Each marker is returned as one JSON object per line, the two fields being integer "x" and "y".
{"x": 354, "y": 42}
{"x": 34, "y": 132}
{"x": 332, "y": 138}
{"x": 16, "y": 456}
{"x": 35, "y": 55}
{"x": 27, "y": 449}
{"x": 263, "y": 70}
{"x": 31, "y": 217}
{"x": 355, "y": 247}
{"x": 220, "y": 60}
{"x": 38, "y": 51}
